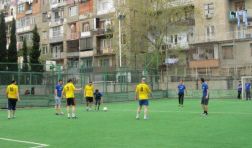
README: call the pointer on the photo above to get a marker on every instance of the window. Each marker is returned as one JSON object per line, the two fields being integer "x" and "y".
{"x": 44, "y": 17}
{"x": 239, "y": 5}
{"x": 210, "y": 31}
{"x": 86, "y": 44}
{"x": 20, "y": 8}
{"x": 105, "y": 43}
{"x": 104, "y": 62}
{"x": 227, "y": 52}
{"x": 44, "y": 49}
{"x": 85, "y": 27}
{"x": 209, "y": 10}
{"x": 72, "y": 11}
{"x": 44, "y": 35}
{"x": 56, "y": 31}
{"x": 87, "y": 62}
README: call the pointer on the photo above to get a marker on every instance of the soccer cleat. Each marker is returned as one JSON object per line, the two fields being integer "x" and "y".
{"x": 56, "y": 113}
{"x": 145, "y": 118}
{"x": 137, "y": 117}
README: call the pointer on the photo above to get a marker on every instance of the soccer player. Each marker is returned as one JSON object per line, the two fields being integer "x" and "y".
{"x": 205, "y": 96}
{"x": 98, "y": 99}
{"x": 142, "y": 94}
{"x": 247, "y": 89}
{"x": 58, "y": 97}
{"x": 68, "y": 93}
{"x": 239, "y": 89}
{"x": 181, "y": 92}
{"x": 13, "y": 96}
{"x": 89, "y": 95}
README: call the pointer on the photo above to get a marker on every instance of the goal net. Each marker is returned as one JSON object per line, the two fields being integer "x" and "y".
{"x": 244, "y": 80}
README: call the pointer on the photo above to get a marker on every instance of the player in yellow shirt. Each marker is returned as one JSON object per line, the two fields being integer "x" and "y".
{"x": 89, "y": 95}
{"x": 142, "y": 94}
{"x": 68, "y": 93}
{"x": 13, "y": 96}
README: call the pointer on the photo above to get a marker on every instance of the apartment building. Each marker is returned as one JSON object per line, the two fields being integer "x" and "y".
{"x": 27, "y": 16}
{"x": 222, "y": 37}
{"x": 8, "y": 7}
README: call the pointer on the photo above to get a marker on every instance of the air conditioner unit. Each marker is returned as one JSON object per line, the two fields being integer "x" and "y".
{"x": 209, "y": 16}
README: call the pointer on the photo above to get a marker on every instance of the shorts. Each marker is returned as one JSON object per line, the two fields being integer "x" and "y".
{"x": 204, "y": 100}
{"x": 89, "y": 99}
{"x": 143, "y": 102}
{"x": 12, "y": 104}
{"x": 57, "y": 100}
{"x": 70, "y": 102}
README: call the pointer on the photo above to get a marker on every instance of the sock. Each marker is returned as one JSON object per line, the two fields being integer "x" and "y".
{"x": 145, "y": 116}
{"x": 73, "y": 115}
{"x": 68, "y": 115}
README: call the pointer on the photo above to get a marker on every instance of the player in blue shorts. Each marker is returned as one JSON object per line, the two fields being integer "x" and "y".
{"x": 205, "y": 96}
{"x": 181, "y": 93}
{"x": 58, "y": 97}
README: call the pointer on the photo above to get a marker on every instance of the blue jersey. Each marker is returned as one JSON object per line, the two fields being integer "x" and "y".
{"x": 247, "y": 86}
{"x": 97, "y": 95}
{"x": 59, "y": 89}
{"x": 181, "y": 88}
{"x": 204, "y": 89}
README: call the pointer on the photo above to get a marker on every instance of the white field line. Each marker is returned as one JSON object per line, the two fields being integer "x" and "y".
{"x": 190, "y": 112}
{"x": 39, "y": 145}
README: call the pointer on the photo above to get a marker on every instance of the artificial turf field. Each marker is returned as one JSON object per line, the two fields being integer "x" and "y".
{"x": 229, "y": 125}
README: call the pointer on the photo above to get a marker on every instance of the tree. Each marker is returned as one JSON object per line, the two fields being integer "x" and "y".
{"x": 25, "y": 58}
{"x": 12, "y": 50}
{"x": 148, "y": 27}
{"x": 3, "y": 43}
{"x": 35, "y": 52}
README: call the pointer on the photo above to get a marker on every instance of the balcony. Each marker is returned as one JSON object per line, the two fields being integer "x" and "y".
{"x": 105, "y": 51}
{"x": 176, "y": 3}
{"x": 220, "y": 36}
{"x": 102, "y": 32}
{"x": 56, "y": 22}
{"x": 85, "y": 34}
{"x": 86, "y": 54}
{"x": 9, "y": 18}
{"x": 28, "y": 12}
{"x": 73, "y": 36}
{"x": 58, "y": 55}
{"x": 24, "y": 1}
{"x": 56, "y": 38}
{"x": 103, "y": 12}
{"x": 25, "y": 29}
{"x": 57, "y": 5}
{"x": 73, "y": 54}
{"x": 213, "y": 63}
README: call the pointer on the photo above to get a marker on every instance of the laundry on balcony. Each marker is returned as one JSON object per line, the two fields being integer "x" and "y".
{"x": 242, "y": 15}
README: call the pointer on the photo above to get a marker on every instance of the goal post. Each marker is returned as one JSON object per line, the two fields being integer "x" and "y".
{"x": 244, "y": 80}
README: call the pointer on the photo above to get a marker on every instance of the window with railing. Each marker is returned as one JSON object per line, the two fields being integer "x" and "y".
{"x": 25, "y": 21}
{"x": 104, "y": 62}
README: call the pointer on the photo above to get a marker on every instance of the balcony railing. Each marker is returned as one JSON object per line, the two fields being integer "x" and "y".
{"x": 233, "y": 18}
{"x": 73, "y": 36}
{"x": 213, "y": 63}
{"x": 73, "y": 54}
{"x": 102, "y": 12}
{"x": 181, "y": 2}
{"x": 104, "y": 51}
{"x": 85, "y": 34}
{"x": 234, "y": 35}
{"x": 28, "y": 12}
{"x": 56, "y": 22}
{"x": 9, "y": 18}
{"x": 56, "y": 38}
{"x": 25, "y": 29}
{"x": 56, "y": 5}
{"x": 58, "y": 55}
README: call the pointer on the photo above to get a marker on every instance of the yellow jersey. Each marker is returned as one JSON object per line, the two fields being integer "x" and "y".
{"x": 143, "y": 91}
{"x": 12, "y": 91}
{"x": 68, "y": 90}
{"x": 89, "y": 91}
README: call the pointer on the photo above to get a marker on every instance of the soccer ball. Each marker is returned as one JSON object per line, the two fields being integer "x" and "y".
{"x": 105, "y": 109}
